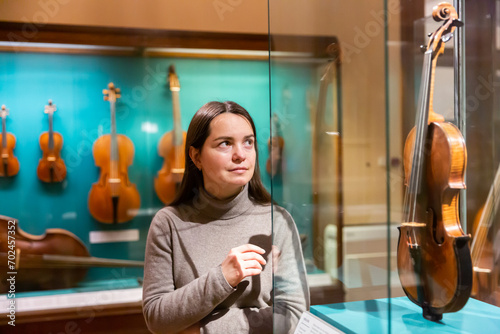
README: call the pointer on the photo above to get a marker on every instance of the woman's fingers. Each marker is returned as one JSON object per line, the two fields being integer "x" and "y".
{"x": 249, "y": 256}
{"x": 249, "y": 248}
{"x": 242, "y": 261}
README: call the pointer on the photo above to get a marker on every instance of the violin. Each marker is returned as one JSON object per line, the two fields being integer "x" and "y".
{"x": 485, "y": 274}
{"x": 275, "y": 144}
{"x": 171, "y": 148}
{"x": 113, "y": 199}
{"x": 433, "y": 257}
{"x": 58, "y": 259}
{"x": 51, "y": 167}
{"x": 10, "y": 164}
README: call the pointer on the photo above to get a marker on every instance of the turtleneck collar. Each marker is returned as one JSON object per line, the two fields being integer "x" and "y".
{"x": 212, "y": 207}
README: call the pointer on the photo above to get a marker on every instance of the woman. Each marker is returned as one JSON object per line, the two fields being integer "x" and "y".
{"x": 210, "y": 255}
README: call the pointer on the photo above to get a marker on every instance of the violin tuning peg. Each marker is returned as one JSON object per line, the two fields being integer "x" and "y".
{"x": 429, "y": 34}
{"x": 106, "y": 98}
{"x": 105, "y": 91}
{"x": 423, "y": 48}
{"x": 118, "y": 91}
{"x": 118, "y": 96}
{"x": 458, "y": 23}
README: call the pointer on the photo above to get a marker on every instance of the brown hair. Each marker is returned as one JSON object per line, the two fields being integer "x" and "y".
{"x": 198, "y": 131}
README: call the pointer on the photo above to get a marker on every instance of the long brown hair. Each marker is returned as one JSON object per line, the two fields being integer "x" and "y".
{"x": 198, "y": 131}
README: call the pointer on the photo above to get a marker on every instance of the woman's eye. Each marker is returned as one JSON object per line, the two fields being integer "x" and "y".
{"x": 224, "y": 144}
{"x": 249, "y": 142}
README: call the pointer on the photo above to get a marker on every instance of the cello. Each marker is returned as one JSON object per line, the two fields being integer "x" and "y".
{"x": 113, "y": 199}
{"x": 171, "y": 148}
{"x": 433, "y": 255}
{"x": 10, "y": 164}
{"x": 51, "y": 167}
{"x": 58, "y": 259}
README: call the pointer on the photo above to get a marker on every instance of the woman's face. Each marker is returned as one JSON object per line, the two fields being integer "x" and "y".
{"x": 227, "y": 158}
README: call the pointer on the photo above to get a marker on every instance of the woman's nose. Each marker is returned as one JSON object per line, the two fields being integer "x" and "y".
{"x": 239, "y": 153}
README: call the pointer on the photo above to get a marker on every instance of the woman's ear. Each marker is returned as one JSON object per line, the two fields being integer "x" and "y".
{"x": 194, "y": 154}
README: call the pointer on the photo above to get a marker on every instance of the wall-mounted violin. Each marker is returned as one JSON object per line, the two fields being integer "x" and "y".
{"x": 10, "y": 164}
{"x": 113, "y": 199}
{"x": 51, "y": 167}
{"x": 171, "y": 148}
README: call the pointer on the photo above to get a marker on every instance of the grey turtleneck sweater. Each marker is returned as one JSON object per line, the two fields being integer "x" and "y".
{"x": 183, "y": 280}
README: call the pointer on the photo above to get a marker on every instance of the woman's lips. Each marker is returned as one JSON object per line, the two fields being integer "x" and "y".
{"x": 239, "y": 169}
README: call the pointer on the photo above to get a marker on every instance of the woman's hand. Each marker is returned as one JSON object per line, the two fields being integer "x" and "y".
{"x": 242, "y": 261}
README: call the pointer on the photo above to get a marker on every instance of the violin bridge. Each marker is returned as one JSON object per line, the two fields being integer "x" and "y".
{"x": 114, "y": 180}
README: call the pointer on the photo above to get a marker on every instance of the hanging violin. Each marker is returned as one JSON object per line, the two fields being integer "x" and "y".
{"x": 10, "y": 164}
{"x": 434, "y": 259}
{"x": 113, "y": 199}
{"x": 51, "y": 167}
{"x": 171, "y": 148}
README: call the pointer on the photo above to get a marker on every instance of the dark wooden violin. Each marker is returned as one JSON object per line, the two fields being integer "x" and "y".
{"x": 113, "y": 199}
{"x": 171, "y": 148}
{"x": 434, "y": 260}
{"x": 51, "y": 167}
{"x": 55, "y": 260}
{"x": 10, "y": 164}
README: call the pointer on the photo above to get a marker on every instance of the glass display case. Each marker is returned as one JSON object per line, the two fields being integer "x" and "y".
{"x": 334, "y": 90}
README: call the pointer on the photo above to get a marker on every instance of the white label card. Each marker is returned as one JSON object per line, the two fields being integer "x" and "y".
{"x": 311, "y": 324}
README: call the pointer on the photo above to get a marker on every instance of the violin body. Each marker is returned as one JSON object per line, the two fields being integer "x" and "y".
{"x": 113, "y": 199}
{"x": 445, "y": 276}
{"x": 53, "y": 241}
{"x": 10, "y": 164}
{"x": 57, "y": 259}
{"x": 170, "y": 175}
{"x": 51, "y": 167}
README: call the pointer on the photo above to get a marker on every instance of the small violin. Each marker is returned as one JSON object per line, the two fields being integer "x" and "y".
{"x": 51, "y": 167}
{"x": 10, "y": 164}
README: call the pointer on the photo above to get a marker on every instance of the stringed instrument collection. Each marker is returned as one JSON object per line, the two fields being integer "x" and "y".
{"x": 433, "y": 255}
{"x": 438, "y": 268}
